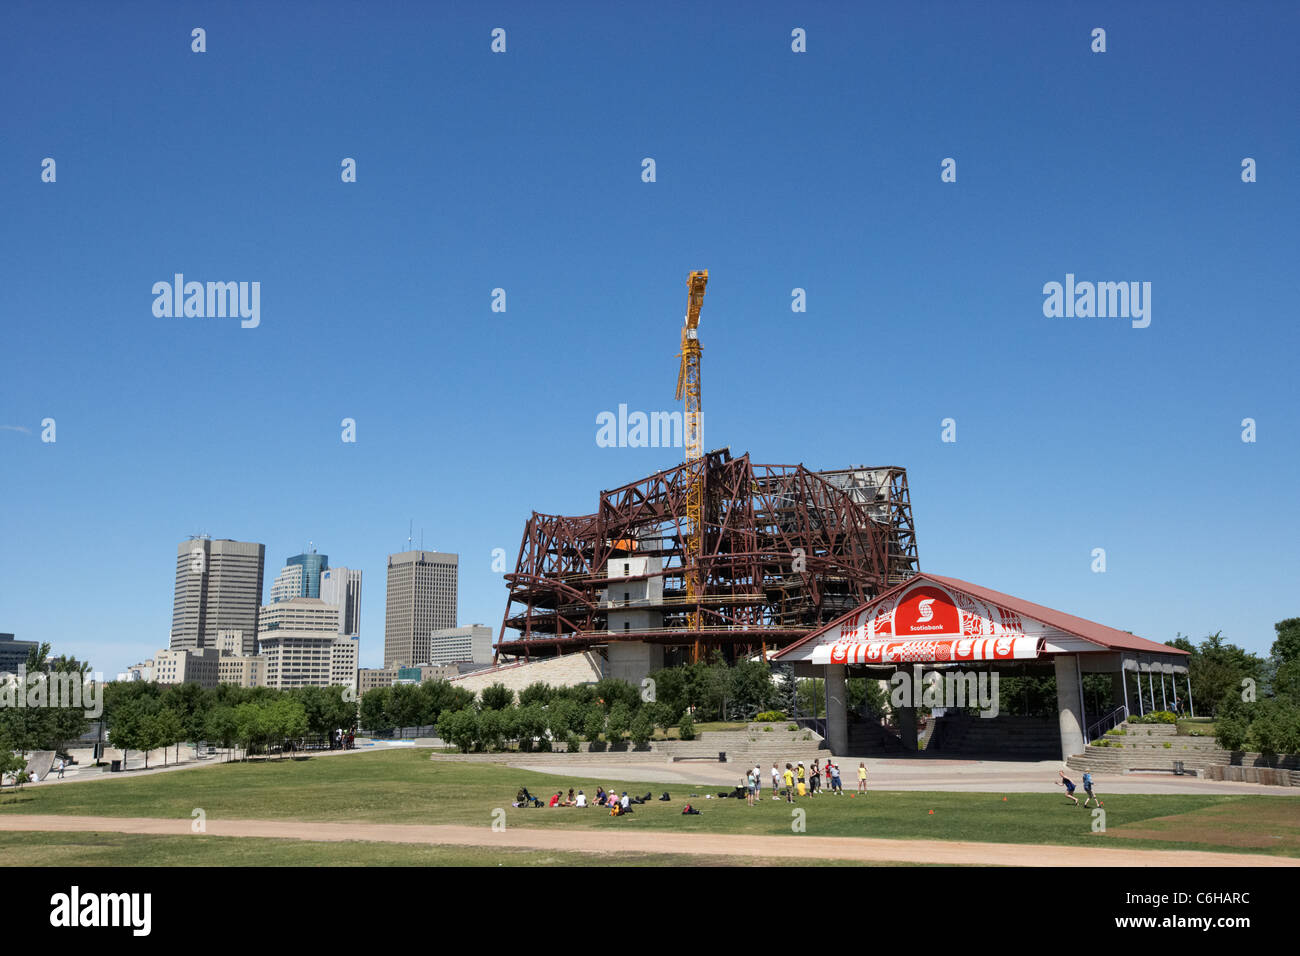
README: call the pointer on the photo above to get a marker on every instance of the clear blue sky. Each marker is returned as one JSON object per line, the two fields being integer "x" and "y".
{"x": 523, "y": 171}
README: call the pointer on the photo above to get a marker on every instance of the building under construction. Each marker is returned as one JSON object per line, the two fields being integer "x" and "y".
{"x": 777, "y": 551}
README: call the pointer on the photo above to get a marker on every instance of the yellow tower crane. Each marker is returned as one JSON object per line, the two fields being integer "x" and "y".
{"x": 688, "y": 387}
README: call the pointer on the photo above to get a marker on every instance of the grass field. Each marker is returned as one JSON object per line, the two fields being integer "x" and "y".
{"x": 408, "y": 787}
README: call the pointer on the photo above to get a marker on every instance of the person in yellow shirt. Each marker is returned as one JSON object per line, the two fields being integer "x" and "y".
{"x": 862, "y": 778}
{"x": 789, "y": 783}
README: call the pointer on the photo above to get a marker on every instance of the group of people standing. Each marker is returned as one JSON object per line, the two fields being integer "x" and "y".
{"x": 342, "y": 741}
{"x": 798, "y": 780}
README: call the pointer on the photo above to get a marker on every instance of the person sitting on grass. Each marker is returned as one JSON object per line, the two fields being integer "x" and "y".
{"x": 581, "y": 800}
{"x": 600, "y": 796}
{"x": 690, "y": 811}
{"x": 1069, "y": 787}
{"x": 555, "y": 800}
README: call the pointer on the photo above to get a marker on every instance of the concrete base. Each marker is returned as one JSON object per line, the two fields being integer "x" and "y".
{"x": 633, "y": 661}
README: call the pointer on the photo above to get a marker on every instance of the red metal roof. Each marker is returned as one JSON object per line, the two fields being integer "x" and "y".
{"x": 1108, "y": 637}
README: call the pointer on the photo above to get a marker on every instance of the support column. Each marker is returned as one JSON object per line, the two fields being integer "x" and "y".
{"x": 1069, "y": 703}
{"x": 837, "y": 717}
{"x": 1119, "y": 688}
{"x": 906, "y": 717}
{"x": 1164, "y": 704}
{"x": 1191, "y": 704}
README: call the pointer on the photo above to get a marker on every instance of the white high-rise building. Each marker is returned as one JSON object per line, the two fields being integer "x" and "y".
{"x": 288, "y": 583}
{"x": 341, "y": 588}
{"x": 299, "y": 639}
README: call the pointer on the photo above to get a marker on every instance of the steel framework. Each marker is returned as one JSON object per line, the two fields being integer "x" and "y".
{"x": 782, "y": 549}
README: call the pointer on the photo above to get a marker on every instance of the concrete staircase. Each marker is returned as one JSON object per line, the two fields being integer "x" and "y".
{"x": 1157, "y": 746}
{"x": 763, "y": 744}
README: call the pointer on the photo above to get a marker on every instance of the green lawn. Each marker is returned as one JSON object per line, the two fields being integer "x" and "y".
{"x": 409, "y": 787}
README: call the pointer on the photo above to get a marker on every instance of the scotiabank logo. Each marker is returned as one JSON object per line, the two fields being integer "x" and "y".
{"x": 926, "y": 611}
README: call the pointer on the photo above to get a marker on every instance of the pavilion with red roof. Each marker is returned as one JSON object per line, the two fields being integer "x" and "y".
{"x": 947, "y": 624}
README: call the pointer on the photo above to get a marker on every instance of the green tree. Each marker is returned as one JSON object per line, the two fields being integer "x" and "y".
{"x": 374, "y": 710}
{"x": 459, "y": 728}
{"x": 497, "y": 697}
{"x": 750, "y": 688}
{"x": 613, "y": 690}
{"x": 537, "y": 692}
{"x": 221, "y": 727}
{"x": 251, "y": 725}
{"x": 404, "y": 706}
{"x": 619, "y": 722}
{"x": 642, "y": 728}
{"x": 11, "y": 764}
{"x": 593, "y": 723}
{"x": 491, "y": 729}
{"x": 438, "y": 695}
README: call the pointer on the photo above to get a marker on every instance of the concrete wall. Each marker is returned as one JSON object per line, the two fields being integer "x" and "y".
{"x": 563, "y": 671}
{"x": 633, "y": 660}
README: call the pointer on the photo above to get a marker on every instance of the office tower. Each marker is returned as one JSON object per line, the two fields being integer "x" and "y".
{"x": 300, "y": 577}
{"x": 312, "y": 565}
{"x": 421, "y": 599}
{"x": 300, "y": 642}
{"x": 13, "y": 653}
{"x": 218, "y": 587}
{"x": 341, "y": 588}
{"x": 454, "y": 645}
{"x": 287, "y": 584}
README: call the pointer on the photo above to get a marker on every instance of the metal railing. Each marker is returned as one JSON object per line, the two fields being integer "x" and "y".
{"x": 1110, "y": 721}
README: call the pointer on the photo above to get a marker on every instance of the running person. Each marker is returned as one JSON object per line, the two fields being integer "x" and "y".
{"x": 1069, "y": 787}
{"x": 1087, "y": 788}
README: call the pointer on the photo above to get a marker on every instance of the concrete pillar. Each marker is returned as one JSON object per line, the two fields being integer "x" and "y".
{"x": 1119, "y": 689}
{"x": 1069, "y": 703}
{"x": 837, "y": 711}
{"x": 906, "y": 717}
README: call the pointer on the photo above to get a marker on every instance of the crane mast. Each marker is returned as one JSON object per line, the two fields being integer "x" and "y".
{"x": 688, "y": 388}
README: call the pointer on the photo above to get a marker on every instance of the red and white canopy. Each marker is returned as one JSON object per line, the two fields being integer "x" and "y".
{"x": 944, "y": 650}
{"x": 929, "y": 623}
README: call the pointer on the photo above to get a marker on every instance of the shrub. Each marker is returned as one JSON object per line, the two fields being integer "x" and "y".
{"x": 573, "y": 743}
{"x": 1155, "y": 717}
{"x": 686, "y": 729}
{"x": 792, "y": 727}
{"x": 769, "y": 716}
{"x": 642, "y": 728}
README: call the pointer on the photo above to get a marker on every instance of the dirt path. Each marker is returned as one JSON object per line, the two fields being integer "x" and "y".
{"x": 807, "y": 848}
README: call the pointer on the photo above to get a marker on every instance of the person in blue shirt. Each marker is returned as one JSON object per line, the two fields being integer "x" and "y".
{"x": 1087, "y": 788}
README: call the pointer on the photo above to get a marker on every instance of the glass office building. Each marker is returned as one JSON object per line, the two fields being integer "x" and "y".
{"x": 312, "y": 565}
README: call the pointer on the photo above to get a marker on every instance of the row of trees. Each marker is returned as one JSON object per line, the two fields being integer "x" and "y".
{"x": 144, "y": 716}
{"x": 32, "y": 715}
